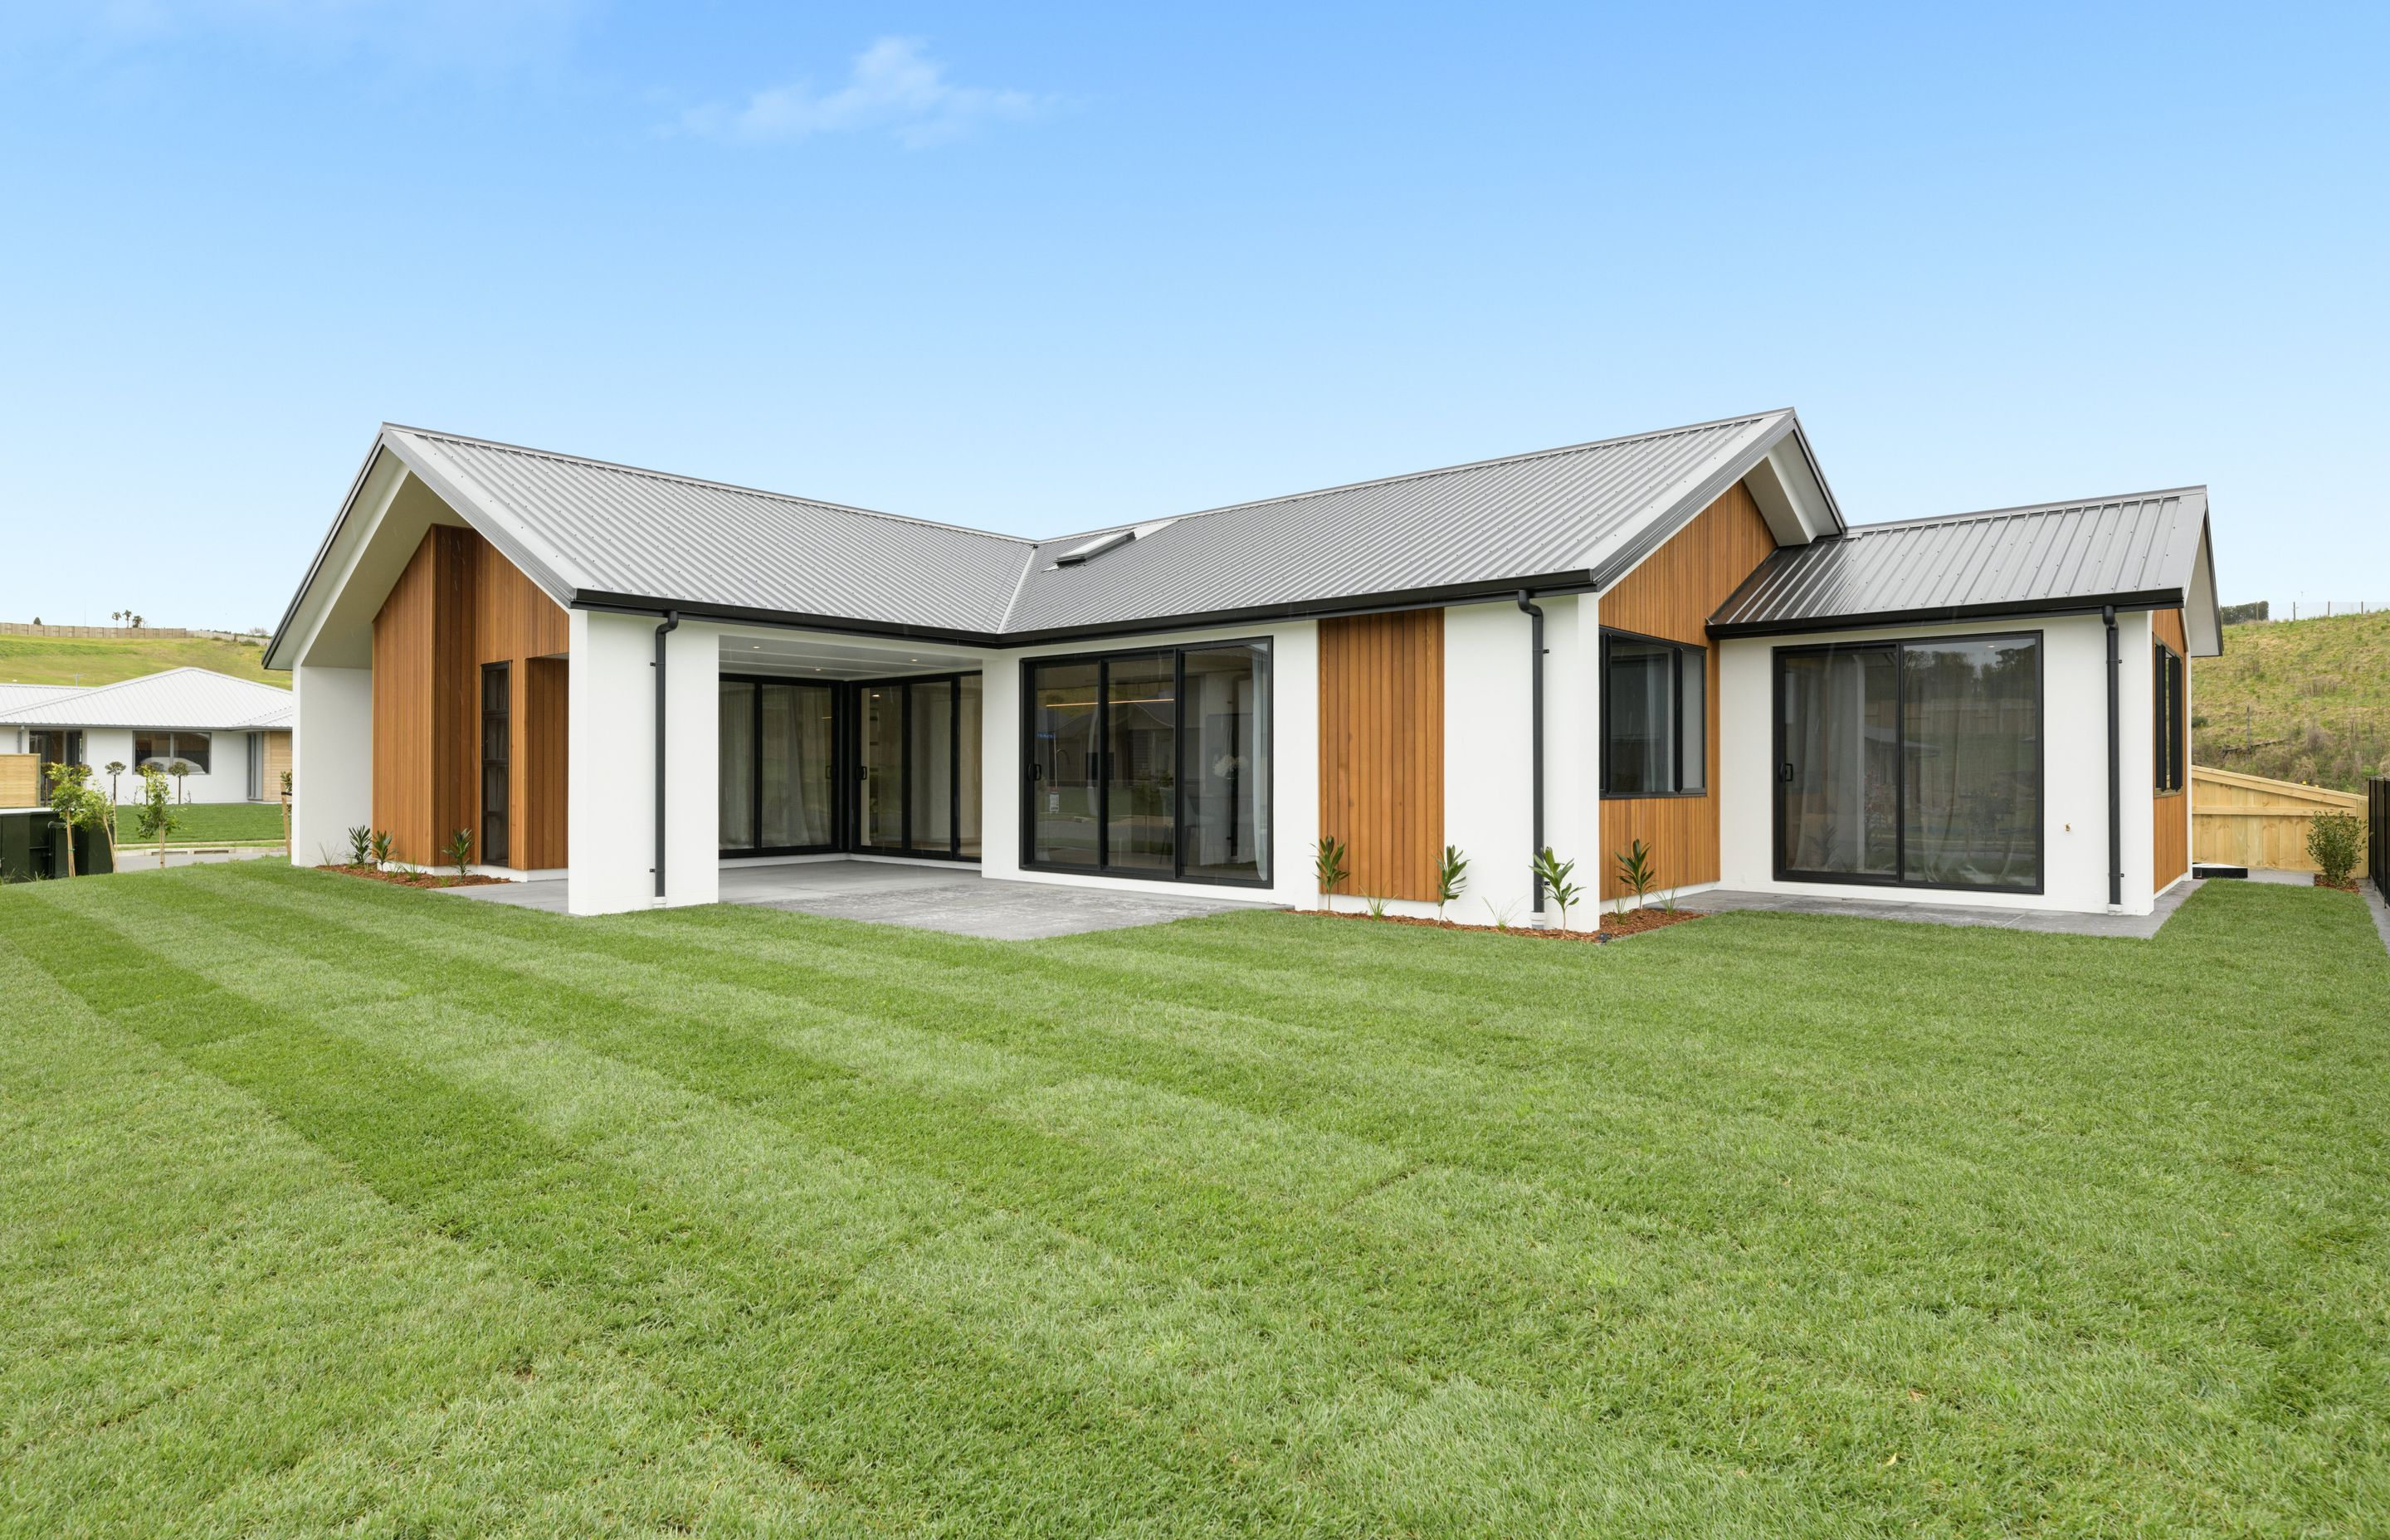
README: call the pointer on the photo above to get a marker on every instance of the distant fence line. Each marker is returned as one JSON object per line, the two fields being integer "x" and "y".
{"x": 158, "y": 633}
{"x": 2300, "y": 610}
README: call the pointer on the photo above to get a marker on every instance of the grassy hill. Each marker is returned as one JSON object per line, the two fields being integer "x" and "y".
{"x": 104, "y": 661}
{"x": 2301, "y": 700}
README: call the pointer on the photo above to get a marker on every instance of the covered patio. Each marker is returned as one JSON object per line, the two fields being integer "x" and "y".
{"x": 954, "y": 899}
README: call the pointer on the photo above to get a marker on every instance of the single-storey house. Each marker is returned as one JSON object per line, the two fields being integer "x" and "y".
{"x": 233, "y": 734}
{"x": 639, "y": 679}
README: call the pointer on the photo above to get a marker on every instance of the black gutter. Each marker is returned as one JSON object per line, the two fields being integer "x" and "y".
{"x": 2092, "y": 604}
{"x": 2116, "y": 766}
{"x": 670, "y": 623}
{"x": 1536, "y": 715}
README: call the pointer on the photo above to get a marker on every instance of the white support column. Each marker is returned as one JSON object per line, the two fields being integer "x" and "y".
{"x": 693, "y": 764}
{"x": 1572, "y": 749}
{"x": 331, "y": 761}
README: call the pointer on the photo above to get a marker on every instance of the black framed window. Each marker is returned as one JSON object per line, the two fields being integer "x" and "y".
{"x": 1915, "y": 763}
{"x": 1152, "y": 764}
{"x": 159, "y": 748}
{"x": 497, "y": 750}
{"x": 781, "y": 745}
{"x": 1654, "y": 717}
{"x": 2169, "y": 751}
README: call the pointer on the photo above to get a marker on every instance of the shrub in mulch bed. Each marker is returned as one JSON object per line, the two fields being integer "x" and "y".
{"x": 2351, "y": 886}
{"x": 1634, "y": 922}
{"x": 413, "y": 879}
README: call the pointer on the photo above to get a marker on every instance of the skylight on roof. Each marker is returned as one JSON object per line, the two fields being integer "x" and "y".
{"x": 1079, "y": 556}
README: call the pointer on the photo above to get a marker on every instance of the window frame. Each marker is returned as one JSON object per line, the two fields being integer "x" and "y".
{"x": 502, "y": 674}
{"x": 204, "y": 765}
{"x": 1675, "y": 713}
{"x": 1898, "y": 646}
{"x": 2171, "y": 735}
{"x": 1265, "y": 648}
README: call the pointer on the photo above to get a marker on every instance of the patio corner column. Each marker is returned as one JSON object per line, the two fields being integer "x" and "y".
{"x": 331, "y": 761}
{"x": 609, "y": 808}
{"x": 692, "y": 764}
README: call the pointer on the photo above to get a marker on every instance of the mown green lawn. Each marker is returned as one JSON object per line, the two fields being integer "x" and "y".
{"x": 206, "y": 823}
{"x": 330, "y": 1206}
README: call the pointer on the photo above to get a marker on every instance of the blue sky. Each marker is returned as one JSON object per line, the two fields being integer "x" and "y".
{"x": 1039, "y": 268}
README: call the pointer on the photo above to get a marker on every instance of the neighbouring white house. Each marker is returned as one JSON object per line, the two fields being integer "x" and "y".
{"x": 233, "y": 734}
{"x": 637, "y": 679}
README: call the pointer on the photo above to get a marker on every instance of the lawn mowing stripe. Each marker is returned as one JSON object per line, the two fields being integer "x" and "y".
{"x": 880, "y": 1353}
{"x": 149, "y": 1208}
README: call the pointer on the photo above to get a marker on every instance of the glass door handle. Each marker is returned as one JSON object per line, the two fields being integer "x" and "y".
{"x": 1784, "y": 772}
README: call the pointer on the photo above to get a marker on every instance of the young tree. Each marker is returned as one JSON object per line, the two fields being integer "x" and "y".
{"x": 77, "y": 803}
{"x": 155, "y": 819}
{"x": 182, "y": 789}
{"x": 115, "y": 768}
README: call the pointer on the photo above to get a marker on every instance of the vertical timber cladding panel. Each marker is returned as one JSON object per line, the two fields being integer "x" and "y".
{"x": 402, "y": 707}
{"x": 541, "y": 765}
{"x": 1672, "y": 595}
{"x": 2170, "y": 818}
{"x": 1381, "y": 749}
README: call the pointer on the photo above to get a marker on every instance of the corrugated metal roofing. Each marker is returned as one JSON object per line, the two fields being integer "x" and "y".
{"x": 17, "y": 697}
{"x": 595, "y": 532}
{"x": 194, "y": 698}
{"x": 1556, "y": 512}
{"x": 602, "y": 529}
{"x": 2142, "y": 549}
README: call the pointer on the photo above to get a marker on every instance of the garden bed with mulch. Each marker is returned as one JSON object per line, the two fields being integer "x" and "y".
{"x": 1634, "y": 922}
{"x": 2351, "y": 886}
{"x": 413, "y": 879}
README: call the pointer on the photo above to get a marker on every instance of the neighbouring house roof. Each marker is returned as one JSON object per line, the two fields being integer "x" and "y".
{"x": 17, "y": 697}
{"x": 2143, "y": 550}
{"x": 192, "y": 697}
{"x": 599, "y": 535}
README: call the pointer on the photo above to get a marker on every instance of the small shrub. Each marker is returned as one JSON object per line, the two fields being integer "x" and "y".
{"x": 2336, "y": 842}
{"x": 1555, "y": 873}
{"x": 381, "y": 847}
{"x": 1639, "y": 871}
{"x": 1501, "y": 916}
{"x": 460, "y": 850}
{"x": 1451, "y": 878}
{"x": 1327, "y": 860}
{"x": 1377, "y": 906}
{"x": 360, "y": 843}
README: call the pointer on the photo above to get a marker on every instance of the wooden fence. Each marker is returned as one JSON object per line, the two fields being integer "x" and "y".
{"x": 2238, "y": 820}
{"x": 21, "y": 781}
{"x": 2377, "y": 842}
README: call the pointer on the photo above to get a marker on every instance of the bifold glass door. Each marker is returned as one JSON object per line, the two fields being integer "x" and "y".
{"x": 1151, "y": 765}
{"x": 1915, "y": 763}
{"x": 779, "y": 741}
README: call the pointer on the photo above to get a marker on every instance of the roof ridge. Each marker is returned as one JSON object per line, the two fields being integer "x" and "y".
{"x": 1422, "y": 475}
{"x": 2021, "y": 509}
{"x": 654, "y": 474}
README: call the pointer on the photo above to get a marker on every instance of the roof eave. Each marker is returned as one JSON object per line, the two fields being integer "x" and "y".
{"x": 2093, "y": 604}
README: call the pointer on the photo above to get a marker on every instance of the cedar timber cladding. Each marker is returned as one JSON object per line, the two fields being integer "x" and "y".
{"x": 458, "y": 605}
{"x": 1671, "y": 596}
{"x": 2170, "y": 828}
{"x": 1381, "y": 749}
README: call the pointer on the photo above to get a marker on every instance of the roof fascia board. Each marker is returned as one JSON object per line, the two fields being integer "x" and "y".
{"x": 2204, "y": 608}
{"x": 1481, "y": 591}
{"x": 306, "y": 589}
{"x": 1692, "y": 505}
{"x": 531, "y": 555}
{"x": 314, "y": 596}
{"x": 2148, "y": 598}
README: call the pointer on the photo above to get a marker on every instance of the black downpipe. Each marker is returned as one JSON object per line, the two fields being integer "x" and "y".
{"x": 2116, "y": 764}
{"x": 1535, "y": 713}
{"x": 670, "y": 623}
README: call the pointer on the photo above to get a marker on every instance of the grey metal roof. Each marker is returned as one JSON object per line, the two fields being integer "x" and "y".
{"x": 15, "y": 697}
{"x": 588, "y": 530}
{"x": 194, "y": 698}
{"x": 597, "y": 534}
{"x": 2142, "y": 550}
{"x": 1558, "y": 514}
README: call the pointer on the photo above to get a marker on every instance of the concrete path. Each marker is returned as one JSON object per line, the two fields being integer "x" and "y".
{"x": 954, "y": 899}
{"x": 137, "y": 858}
{"x": 2141, "y": 927}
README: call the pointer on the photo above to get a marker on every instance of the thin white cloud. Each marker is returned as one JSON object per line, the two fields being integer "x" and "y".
{"x": 893, "y": 88}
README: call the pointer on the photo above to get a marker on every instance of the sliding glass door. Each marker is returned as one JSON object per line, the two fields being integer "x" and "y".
{"x": 1914, "y": 763}
{"x": 918, "y": 747}
{"x": 1152, "y": 764}
{"x": 778, "y": 767}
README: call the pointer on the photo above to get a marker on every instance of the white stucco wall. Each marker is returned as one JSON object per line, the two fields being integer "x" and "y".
{"x": 224, "y": 780}
{"x": 331, "y": 759}
{"x": 611, "y": 732}
{"x": 1488, "y": 775}
{"x": 2074, "y": 765}
{"x": 1295, "y": 777}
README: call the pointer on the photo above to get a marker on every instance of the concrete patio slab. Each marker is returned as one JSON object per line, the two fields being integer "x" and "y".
{"x": 954, "y": 899}
{"x": 2138, "y": 927}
